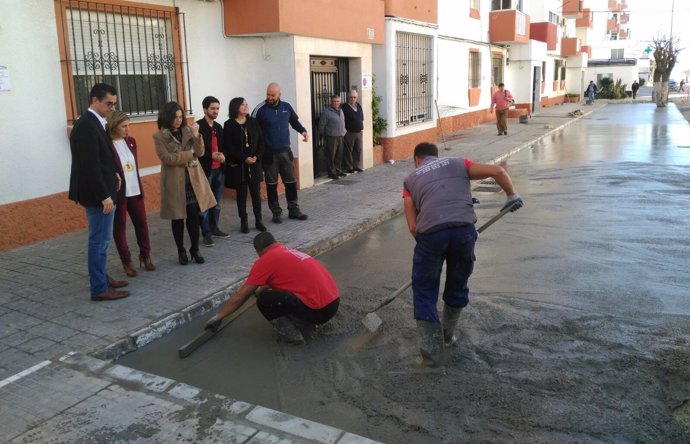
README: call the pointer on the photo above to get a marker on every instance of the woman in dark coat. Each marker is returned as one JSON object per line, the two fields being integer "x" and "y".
{"x": 243, "y": 146}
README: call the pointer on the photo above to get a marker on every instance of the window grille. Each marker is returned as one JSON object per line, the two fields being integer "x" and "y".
{"x": 137, "y": 50}
{"x": 617, "y": 53}
{"x": 414, "y": 59}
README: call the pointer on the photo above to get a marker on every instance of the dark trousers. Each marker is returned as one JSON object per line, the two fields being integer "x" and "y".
{"x": 456, "y": 247}
{"x": 192, "y": 223}
{"x": 352, "y": 151}
{"x": 133, "y": 205}
{"x": 502, "y": 120}
{"x": 334, "y": 154}
{"x": 254, "y": 189}
{"x": 275, "y": 304}
{"x": 282, "y": 166}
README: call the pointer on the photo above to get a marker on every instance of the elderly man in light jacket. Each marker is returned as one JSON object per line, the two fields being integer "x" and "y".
{"x": 332, "y": 128}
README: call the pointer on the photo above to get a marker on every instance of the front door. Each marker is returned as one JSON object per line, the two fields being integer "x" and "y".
{"x": 328, "y": 76}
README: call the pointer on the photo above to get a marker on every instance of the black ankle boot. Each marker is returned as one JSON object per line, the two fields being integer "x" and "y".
{"x": 260, "y": 225}
{"x": 182, "y": 257}
{"x": 244, "y": 225}
{"x": 199, "y": 259}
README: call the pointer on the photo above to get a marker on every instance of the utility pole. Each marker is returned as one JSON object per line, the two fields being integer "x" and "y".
{"x": 672, "y": 9}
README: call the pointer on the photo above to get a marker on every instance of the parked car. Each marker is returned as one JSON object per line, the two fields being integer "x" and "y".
{"x": 672, "y": 85}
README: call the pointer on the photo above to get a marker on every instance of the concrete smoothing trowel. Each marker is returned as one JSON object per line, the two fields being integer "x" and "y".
{"x": 372, "y": 321}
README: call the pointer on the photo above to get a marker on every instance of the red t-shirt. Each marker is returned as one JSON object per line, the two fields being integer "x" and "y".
{"x": 285, "y": 269}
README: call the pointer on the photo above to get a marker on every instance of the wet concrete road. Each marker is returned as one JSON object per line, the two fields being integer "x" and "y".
{"x": 578, "y": 329}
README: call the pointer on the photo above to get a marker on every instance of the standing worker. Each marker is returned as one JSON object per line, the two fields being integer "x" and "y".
{"x": 501, "y": 100}
{"x": 635, "y": 88}
{"x": 440, "y": 216}
{"x": 301, "y": 291}
{"x": 275, "y": 117}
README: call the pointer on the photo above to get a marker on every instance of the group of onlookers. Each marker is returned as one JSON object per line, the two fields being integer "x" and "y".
{"x": 197, "y": 162}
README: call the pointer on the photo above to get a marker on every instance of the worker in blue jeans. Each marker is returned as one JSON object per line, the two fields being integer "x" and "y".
{"x": 440, "y": 216}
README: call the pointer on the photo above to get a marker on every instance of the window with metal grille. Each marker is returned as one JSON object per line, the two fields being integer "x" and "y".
{"x": 613, "y": 36}
{"x": 137, "y": 50}
{"x": 496, "y": 69}
{"x": 414, "y": 59}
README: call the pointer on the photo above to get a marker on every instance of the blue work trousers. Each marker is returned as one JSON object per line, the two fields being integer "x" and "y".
{"x": 211, "y": 217}
{"x": 455, "y": 246}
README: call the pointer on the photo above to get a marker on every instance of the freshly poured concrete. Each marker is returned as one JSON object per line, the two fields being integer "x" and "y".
{"x": 578, "y": 329}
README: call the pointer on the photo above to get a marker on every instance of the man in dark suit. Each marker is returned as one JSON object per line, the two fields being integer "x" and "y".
{"x": 93, "y": 184}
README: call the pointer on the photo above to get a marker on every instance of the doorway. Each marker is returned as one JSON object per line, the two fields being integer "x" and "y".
{"x": 329, "y": 75}
{"x": 536, "y": 90}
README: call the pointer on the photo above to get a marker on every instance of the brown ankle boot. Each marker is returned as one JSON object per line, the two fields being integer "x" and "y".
{"x": 129, "y": 269}
{"x": 145, "y": 262}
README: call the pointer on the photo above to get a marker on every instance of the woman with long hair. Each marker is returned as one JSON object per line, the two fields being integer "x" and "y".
{"x": 130, "y": 196}
{"x": 243, "y": 144}
{"x": 185, "y": 191}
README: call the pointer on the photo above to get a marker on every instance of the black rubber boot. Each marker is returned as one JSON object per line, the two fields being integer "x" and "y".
{"x": 450, "y": 318}
{"x": 273, "y": 204}
{"x": 293, "y": 207}
{"x": 431, "y": 343}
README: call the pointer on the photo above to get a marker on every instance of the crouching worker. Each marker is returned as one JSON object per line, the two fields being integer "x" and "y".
{"x": 300, "y": 291}
{"x": 439, "y": 213}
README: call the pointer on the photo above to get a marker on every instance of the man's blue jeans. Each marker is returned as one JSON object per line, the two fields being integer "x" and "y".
{"x": 100, "y": 234}
{"x": 211, "y": 217}
{"x": 456, "y": 247}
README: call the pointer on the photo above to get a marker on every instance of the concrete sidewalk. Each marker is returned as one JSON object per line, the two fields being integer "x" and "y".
{"x": 46, "y": 314}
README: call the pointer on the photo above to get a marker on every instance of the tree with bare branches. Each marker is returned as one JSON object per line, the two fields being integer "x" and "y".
{"x": 665, "y": 57}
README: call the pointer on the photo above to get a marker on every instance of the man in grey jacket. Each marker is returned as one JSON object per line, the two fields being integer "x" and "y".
{"x": 332, "y": 128}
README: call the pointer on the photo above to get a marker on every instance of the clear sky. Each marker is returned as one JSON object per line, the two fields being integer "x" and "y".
{"x": 653, "y": 18}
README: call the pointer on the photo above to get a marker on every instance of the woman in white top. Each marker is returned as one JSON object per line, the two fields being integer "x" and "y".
{"x": 130, "y": 196}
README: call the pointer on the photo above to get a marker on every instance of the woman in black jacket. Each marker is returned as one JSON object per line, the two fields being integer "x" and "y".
{"x": 243, "y": 145}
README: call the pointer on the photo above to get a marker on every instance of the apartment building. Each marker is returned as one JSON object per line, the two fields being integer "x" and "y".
{"x": 614, "y": 52}
{"x": 433, "y": 62}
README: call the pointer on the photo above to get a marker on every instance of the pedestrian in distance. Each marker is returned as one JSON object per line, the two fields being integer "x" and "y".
{"x": 185, "y": 191}
{"x": 213, "y": 163}
{"x": 439, "y": 211}
{"x": 275, "y": 118}
{"x": 130, "y": 196}
{"x": 244, "y": 148}
{"x": 332, "y": 128}
{"x": 93, "y": 184}
{"x": 501, "y": 100}
{"x": 298, "y": 292}
{"x": 354, "y": 125}
{"x": 591, "y": 91}
{"x": 635, "y": 88}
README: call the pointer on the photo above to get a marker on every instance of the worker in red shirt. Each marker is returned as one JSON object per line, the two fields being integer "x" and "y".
{"x": 299, "y": 290}
{"x": 501, "y": 100}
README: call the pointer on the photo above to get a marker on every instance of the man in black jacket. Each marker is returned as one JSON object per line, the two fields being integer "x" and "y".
{"x": 354, "y": 124}
{"x": 213, "y": 163}
{"x": 93, "y": 184}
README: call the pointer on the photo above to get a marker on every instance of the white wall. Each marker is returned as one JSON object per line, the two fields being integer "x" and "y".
{"x": 33, "y": 139}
